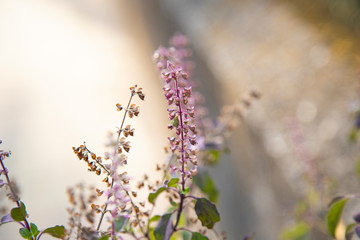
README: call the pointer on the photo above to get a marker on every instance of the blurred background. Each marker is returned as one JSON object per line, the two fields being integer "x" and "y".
{"x": 65, "y": 64}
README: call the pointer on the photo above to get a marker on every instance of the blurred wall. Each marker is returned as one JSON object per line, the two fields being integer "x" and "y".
{"x": 306, "y": 69}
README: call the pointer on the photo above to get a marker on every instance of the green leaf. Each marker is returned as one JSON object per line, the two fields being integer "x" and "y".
{"x": 56, "y": 232}
{"x": 185, "y": 235}
{"x": 353, "y": 135}
{"x": 334, "y": 214}
{"x": 298, "y": 232}
{"x": 213, "y": 156}
{"x": 120, "y": 223}
{"x": 164, "y": 229}
{"x": 206, "y": 212}
{"x": 173, "y": 182}
{"x": 204, "y": 181}
{"x": 349, "y": 233}
{"x": 151, "y": 233}
{"x": 106, "y": 237}
{"x": 198, "y": 236}
{"x": 154, "y": 195}
{"x": 173, "y": 203}
{"x": 186, "y": 190}
{"x": 25, "y": 233}
{"x": 34, "y": 230}
{"x": 19, "y": 214}
{"x": 154, "y": 218}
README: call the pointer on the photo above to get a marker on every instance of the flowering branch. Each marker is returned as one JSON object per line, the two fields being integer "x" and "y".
{"x": 117, "y": 195}
{"x": 115, "y": 153}
{"x": 131, "y": 110}
{"x": 29, "y": 230}
{"x": 180, "y": 113}
{"x": 13, "y": 195}
{"x": 184, "y": 103}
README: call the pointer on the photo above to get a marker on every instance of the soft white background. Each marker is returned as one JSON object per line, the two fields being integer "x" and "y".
{"x": 63, "y": 67}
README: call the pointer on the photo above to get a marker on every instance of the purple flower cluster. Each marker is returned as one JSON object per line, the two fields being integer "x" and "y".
{"x": 178, "y": 54}
{"x": 181, "y": 113}
{"x": 117, "y": 194}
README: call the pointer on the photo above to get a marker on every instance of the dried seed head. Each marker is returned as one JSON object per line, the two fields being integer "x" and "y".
{"x": 136, "y": 209}
{"x": 99, "y": 192}
{"x": 119, "y": 107}
{"x": 158, "y": 168}
{"x": 140, "y": 93}
{"x": 140, "y": 185}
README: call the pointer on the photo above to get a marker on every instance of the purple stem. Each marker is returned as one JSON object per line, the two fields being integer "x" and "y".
{"x": 182, "y": 196}
{"x": 182, "y": 138}
{"x": 27, "y": 226}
